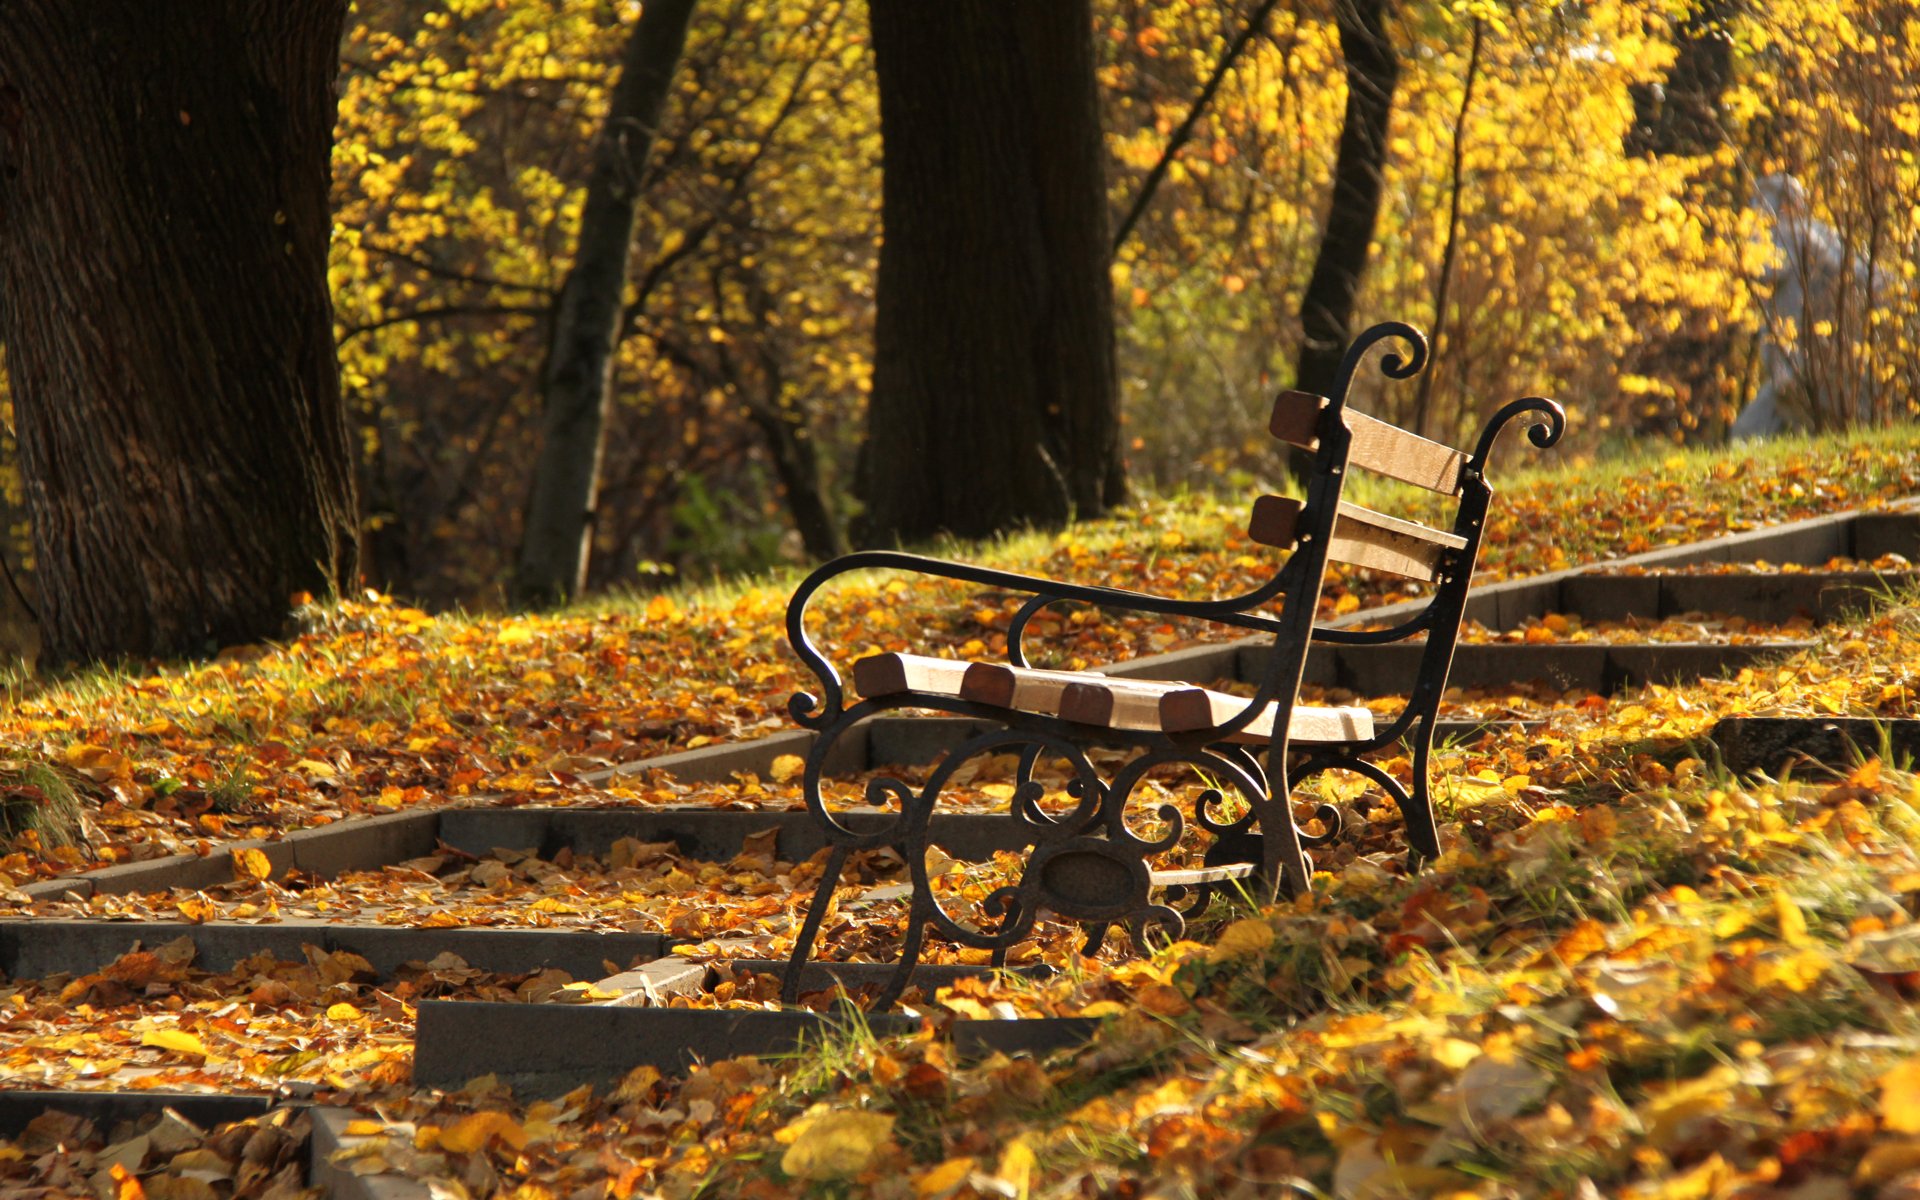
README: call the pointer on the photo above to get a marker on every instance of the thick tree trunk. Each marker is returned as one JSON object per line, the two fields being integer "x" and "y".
{"x": 163, "y": 298}
{"x": 577, "y": 385}
{"x": 1359, "y": 174}
{"x": 994, "y": 402}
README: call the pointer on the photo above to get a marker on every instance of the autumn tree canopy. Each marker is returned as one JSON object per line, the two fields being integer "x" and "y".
{"x": 1566, "y": 193}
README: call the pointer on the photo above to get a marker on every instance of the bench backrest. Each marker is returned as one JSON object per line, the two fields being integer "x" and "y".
{"x": 1364, "y": 538}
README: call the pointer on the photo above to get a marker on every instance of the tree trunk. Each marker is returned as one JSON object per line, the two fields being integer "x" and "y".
{"x": 163, "y": 298}
{"x": 1359, "y": 174}
{"x": 577, "y": 385}
{"x": 994, "y": 402}
{"x": 1683, "y": 115}
{"x": 797, "y": 464}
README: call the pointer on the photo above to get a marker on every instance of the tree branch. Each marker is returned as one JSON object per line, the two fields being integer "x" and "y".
{"x": 1255, "y": 24}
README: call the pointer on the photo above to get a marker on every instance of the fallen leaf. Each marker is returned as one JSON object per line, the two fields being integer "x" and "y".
{"x": 475, "y": 1130}
{"x": 251, "y": 863}
{"x": 835, "y": 1144}
{"x": 179, "y": 1041}
{"x": 1246, "y": 938}
{"x": 1900, "y": 1097}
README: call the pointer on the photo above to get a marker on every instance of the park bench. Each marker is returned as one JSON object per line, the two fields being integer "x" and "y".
{"x": 1086, "y": 863}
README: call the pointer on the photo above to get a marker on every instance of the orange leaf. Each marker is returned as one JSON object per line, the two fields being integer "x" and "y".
{"x": 251, "y": 863}
{"x": 477, "y": 1129}
{"x": 1162, "y": 1000}
{"x": 126, "y": 1185}
{"x": 1584, "y": 940}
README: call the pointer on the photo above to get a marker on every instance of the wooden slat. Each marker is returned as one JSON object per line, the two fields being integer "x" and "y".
{"x": 1360, "y": 536}
{"x": 1391, "y": 450}
{"x": 1274, "y": 520}
{"x": 1099, "y": 701}
{"x": 1183, "y": 707}
{"x": 1369, "y": 539}
{"x": 891, "y": 674}
{"x": 1296, "y": 419}
{"x": 1201, "y": 708}
{"x": 1022, "y": 688}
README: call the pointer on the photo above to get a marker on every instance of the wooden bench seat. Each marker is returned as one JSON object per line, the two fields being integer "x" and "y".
{"x": 1087, "y": 698}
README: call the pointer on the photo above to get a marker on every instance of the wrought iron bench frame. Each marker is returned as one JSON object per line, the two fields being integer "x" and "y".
{"x": 1087, "y": 864}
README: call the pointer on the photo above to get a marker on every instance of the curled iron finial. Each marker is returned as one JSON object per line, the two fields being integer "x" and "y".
{"x": 1544, "y": 431}
{"x": 1392, "y": 365}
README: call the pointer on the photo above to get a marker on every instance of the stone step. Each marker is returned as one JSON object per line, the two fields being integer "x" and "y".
{"x": 36, "y": 946}
{"x": 1821, "y": 597}
{"x": 1589, "y": 666}
{"x": 703, "y": 833}
{"x": 1776, "y": 744}
{"x": 550, "y": 1049}
{"x": 19, "y": 1106}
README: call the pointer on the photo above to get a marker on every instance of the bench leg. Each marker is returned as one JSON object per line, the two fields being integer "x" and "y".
{"x": 810, "y": 929}
{"x": 1284, "y": 869}
{"x": 1416, "y": 809}
{"x": 909, "y": 959}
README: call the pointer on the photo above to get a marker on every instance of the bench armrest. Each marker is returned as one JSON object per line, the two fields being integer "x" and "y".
{"x": 816, "y": 711}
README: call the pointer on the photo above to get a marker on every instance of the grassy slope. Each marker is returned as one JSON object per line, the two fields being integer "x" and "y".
{"x": 380, "y": 705}
{"x": 1628, "y": 975}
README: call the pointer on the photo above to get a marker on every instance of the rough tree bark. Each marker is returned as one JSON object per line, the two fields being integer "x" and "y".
{"x": 163, "y": 299}
{"x": 994, "y": 402}
{"x": 577, "y": 384}
{"x": 1359, "y": 173}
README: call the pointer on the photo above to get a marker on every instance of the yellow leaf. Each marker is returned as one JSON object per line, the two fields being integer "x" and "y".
{"x": 365, "y": 1128}
{"x": 835, "y": 1145}
{"x": 944, "y": 1180}
{"x": 95, "y": 762}
{"x": 342, "y": 1012}
{"x": 317, "y": 769}
{"x": 177, "y": 1040}
{"x": 1454, "y": 1053}
{"x": 1793, "y": 922}
{"x": 251, "y": 863}
{"x": 1900, "y": 1097}
{"x": 473, "y": 1131}
{"x": 637, "y": 1085}
{"x": 1016, "y": 1168}
{"x": 786, "y": 767}
{"x": 1245, "y": 938}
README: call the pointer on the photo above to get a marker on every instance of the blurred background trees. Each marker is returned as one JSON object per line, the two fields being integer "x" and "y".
{"x": 1566, "y": 191}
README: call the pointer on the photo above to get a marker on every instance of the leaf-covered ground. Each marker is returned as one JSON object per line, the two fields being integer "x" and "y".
{"x": 1629, "y": 974}
{"x": 378, "y": 705}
